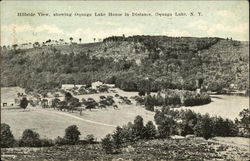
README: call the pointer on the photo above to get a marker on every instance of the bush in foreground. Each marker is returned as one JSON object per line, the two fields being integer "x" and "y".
{"x": 30, "y": 139}
{"x": 72, "y": 134}
{"x": 204, "y": 127}
{"x": 90, "y": 139}
{"x": 7, "y": 138}
{"x": 107, "y": 144}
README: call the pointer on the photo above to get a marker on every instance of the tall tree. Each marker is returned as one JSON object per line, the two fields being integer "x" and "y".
{"x": 150, "y": 130}
{"x": 107, "y": 144}
{"x": 117, "y": 137}
{"x": 138, "y": 129}
{"x": 72, "y": 134}
{"x": 24, "y": 103}
{"x": 7, "y": 138}
{"x": 30, "y": 138}
{"x": 204, "y": 127}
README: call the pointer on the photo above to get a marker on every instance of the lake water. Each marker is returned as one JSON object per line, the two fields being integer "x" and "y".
{"x": 223, "y": 105}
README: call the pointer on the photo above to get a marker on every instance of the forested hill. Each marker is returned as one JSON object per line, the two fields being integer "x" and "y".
{"x": 168, "y": 62}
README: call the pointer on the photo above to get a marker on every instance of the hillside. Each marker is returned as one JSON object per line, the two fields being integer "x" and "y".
{"x": 168, "y": 62}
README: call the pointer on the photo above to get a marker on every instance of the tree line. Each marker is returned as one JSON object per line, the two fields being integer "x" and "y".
{"x": 31, "y": 138}
{"x": 170, "y": 97}
{"x": 167, "y": 122}
{"x": 172, "y": 122}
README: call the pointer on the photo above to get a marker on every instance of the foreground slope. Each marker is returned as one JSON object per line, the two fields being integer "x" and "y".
{"x": 168, "y": 149}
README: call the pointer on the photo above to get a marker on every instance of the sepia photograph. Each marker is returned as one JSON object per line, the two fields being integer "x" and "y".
{"x": 124, "y": 80}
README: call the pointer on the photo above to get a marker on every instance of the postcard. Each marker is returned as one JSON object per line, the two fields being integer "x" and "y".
{"x": 125, "y": 80}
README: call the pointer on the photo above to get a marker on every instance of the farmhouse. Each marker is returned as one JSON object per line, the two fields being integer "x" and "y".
{"x": 8, "y": 102}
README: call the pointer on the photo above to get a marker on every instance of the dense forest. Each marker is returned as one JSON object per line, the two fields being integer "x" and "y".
{"x": 130, "y": 62}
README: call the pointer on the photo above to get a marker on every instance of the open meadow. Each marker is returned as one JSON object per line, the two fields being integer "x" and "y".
{"x": 50, "y": 123}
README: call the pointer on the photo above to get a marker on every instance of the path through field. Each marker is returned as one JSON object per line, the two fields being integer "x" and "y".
{"x": 51, "y": 123}
{"x": 74, "y": 117}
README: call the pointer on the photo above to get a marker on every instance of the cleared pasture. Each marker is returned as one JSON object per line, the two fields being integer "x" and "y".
{"x": 50, "y": 123}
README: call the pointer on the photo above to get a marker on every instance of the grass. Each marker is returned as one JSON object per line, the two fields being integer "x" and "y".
{"x": 50, "y": 123}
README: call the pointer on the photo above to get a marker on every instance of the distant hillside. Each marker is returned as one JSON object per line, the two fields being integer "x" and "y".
{"x": 168, "y": 62}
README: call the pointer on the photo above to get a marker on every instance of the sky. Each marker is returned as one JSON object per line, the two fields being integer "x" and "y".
{"x": 219, "y": 19}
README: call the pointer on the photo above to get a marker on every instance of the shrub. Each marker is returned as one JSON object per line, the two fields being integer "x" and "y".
{"x": 204, "y": 127}
{"x": 103, "y": 88}
{"x": 72, "y": 134}
{"x": 138, "y": 128}
{"x": 150, "y": 130}
{"x": 92, "y": 91}
{"x": 55, "y": 102}
{"x": 166, "y": 127}
{"x": 60, "y": 141}
{"x": 90, "y": 139}
{"x": 7, "y": 139}
{"x": 224, "y": 127}
{"x": 139, "y": 100}
{"x": 117, "y": 137}
{"x": 102, "y": 97}
{"x": 90, "y": 103}
{"x": 24, "y": 103}
{"x": 194, "y": 99}
{"x": 67, "y": 96}
{"x": 82, "y": 91}
{"x": 149, "y": 108}
{"x": 83, "y": 101}
{"x": 107, "y": 144}
{"x": 141, "y": 93}
{"x": 245, "y": 122}
{"x": 46, "y": 142}
{"x": 30, "y": 139}
{"x": 172, "y": 100}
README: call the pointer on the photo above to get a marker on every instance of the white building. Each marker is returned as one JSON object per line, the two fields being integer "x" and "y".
{"x": 70, "y": 86}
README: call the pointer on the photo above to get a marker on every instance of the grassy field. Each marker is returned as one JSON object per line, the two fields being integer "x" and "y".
{"x": 50, "y": 123}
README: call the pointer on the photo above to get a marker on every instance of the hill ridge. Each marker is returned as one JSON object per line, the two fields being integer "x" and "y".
{"x": 169, "y": 62}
